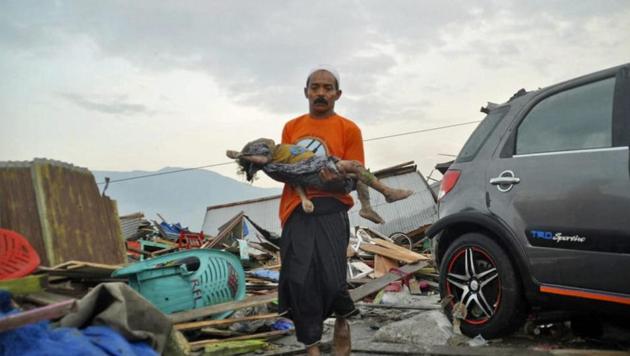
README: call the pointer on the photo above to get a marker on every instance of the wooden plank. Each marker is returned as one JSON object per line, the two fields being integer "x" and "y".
{"x": 46, "y": 298}
{"x": 134, "y": 250}
{"x": 415, "y": 306}
{"x": 223, "y": 333}
{"x": 378, "y": 284}
{"x": 220, "y": 308}
{"x": 94, "y": 275}
{"x": 360, "y": 280}
{"x": 382, "y": 265}
{"x": 166, "y": 242}
{"x": 402, "y": 250}
{"x": 48, "y": 312}
{"x": 225, "y": 232}
{"x": 387, "y": 252}
{"x": 195, "y": 345}
{"x": 210, "y": 323}
{"x": 163, "y": 251}
{"x": 82, "y": 264}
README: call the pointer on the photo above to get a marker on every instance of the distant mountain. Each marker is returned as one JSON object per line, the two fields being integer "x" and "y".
{"x": 179, "y": 197}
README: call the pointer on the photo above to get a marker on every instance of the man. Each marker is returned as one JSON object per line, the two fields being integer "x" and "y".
{"x": 313, "y": 246}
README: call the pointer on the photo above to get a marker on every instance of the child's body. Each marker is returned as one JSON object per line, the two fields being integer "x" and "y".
{"x": 300, "y": 167}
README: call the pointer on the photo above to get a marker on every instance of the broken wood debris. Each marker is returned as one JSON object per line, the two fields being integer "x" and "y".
{"x": 209, "y": 323}
{"x": 220, "y": 308}
{"x": 265, "y": 335}
{"x": 378, "y": 284}
{"x": 379, "y": 265}
{"x": 48, "y": 312}
{"x": 373, "y": 265}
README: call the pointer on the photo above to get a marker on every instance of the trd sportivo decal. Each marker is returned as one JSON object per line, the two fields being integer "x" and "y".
{"x": 590, "y": 240}
{"x": 556, "y": 236}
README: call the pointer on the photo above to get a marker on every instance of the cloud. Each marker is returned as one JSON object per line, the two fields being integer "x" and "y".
{"x": 112, "y": 106}
{"x": 251, "y": 48}
{"x": 260, "y": 51}
{"x": 209, "y": 73}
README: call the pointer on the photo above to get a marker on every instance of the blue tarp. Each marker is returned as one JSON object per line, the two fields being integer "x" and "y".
{"x": 266, "y": 274}
{"x": 173, "y": 228}
{"x": 42, "y": 339}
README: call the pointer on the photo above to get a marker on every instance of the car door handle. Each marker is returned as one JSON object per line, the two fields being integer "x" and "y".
{"x": 504, "y": 180}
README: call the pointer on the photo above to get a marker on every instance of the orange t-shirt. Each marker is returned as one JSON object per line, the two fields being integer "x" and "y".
{"x": 332, "y": 136}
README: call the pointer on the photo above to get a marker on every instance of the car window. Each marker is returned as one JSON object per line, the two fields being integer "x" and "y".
{"x": 577, "y": 118}
{"x": 480, "y": 135}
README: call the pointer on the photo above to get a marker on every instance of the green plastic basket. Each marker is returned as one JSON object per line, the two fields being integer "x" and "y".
{"x": 188, "y": 280}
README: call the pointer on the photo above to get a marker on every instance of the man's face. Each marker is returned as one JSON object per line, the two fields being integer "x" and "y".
{"x": 322, "y": 93}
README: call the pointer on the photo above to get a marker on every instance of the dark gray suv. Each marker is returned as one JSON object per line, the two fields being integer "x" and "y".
{"x": 535, "y": 210}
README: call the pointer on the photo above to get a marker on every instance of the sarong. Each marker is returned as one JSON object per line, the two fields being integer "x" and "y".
{"x": 313, "y": 274}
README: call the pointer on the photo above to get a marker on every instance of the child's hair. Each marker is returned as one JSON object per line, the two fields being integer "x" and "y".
{"x": 246, "y": 168}
{"x": 260, "y": 146}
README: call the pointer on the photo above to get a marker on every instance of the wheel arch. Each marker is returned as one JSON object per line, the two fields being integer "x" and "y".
{"x": 454, "y": 226}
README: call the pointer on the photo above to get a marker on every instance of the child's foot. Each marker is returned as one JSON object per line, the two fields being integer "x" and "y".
{"x": 370, "y": 214}
{"x": 393, "y": 195}
{"x": 308, "y": 206}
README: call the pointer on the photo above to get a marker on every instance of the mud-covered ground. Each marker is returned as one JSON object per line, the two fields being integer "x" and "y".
{"x": 382, "y": 331}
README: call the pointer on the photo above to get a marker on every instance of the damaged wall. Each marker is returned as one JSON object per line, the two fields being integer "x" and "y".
{"x": 58, "y": 208}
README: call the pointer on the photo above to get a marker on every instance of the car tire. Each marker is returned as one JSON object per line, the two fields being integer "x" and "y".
{"x": 488, "y": 287}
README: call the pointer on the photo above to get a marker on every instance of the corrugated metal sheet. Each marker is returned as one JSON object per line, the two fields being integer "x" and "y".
{"x": 129, "y": 224}
{"x": 76, "y": 223}
{"x": 402, "y": 216}
{"x": 263, "y": 211}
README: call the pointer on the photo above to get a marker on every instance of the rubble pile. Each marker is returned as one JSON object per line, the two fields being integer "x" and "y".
{"x": 183, "y": 292}
{"x": 382, "y": 271}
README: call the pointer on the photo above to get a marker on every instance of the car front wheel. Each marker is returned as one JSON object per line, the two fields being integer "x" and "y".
{"x": 479, "y": 280}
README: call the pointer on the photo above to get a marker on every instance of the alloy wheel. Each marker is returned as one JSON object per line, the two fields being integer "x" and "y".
{"x": 473, "y": 280}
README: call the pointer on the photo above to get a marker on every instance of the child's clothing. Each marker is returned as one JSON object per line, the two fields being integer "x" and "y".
{"x": 294, "y": 164}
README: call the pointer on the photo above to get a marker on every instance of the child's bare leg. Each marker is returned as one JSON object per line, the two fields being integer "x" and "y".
{"x": 307, "y": 204}
{"x": 256, "y": 159}
{"x": 365, "y": 176}
{"x": 366, "y": 208}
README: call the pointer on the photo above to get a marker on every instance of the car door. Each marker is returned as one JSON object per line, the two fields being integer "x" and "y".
{"x": 561, "y": 180}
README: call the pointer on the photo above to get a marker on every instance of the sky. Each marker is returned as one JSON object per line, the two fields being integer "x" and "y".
{"x": 143, "y": 85}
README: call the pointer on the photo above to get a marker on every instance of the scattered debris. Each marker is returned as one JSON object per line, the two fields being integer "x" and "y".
{"x": 58, "y": 208}
{"x": 48, "y": 312}
{"x": 217, "y": 294}
{"x": 459, "y": 314}
{"x": 426, "y": 328}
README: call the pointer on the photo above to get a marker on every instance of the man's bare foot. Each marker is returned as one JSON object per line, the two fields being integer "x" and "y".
{"x": 313, "y": 350}
{"x": 370, "y": 214}
{"x": 342, "y": 344}
{"x": 393, "y": 195}
{"x": 308, "y": 206}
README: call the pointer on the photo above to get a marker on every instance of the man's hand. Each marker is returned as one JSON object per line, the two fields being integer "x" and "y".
{"x": 334, "y": 181}
{"x": 327, "y": 176}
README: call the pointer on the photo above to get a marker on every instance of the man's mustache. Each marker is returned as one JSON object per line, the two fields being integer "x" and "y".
{"x": 320, "y": 101}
